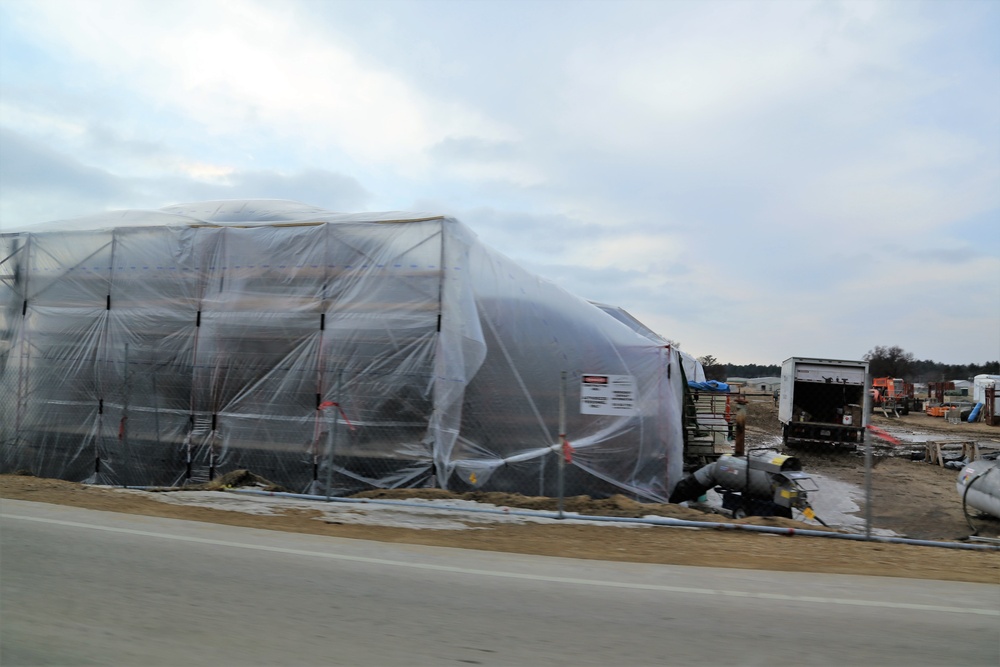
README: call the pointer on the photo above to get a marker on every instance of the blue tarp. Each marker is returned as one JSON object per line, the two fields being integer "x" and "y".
{"x": 711, "y": 385}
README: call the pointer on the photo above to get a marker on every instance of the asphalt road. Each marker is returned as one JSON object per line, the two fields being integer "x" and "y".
{"x": 80, "y": 587}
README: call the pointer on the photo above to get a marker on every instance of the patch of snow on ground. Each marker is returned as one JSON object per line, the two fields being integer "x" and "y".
{"x": 416, "y": 513}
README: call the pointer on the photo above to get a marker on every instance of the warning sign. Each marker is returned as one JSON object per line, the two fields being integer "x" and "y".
{"x": 607, "y": 395}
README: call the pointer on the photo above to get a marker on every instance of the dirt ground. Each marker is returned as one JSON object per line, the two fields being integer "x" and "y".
{"x": 710, "y": 548}
{"x": 912, "y": 498}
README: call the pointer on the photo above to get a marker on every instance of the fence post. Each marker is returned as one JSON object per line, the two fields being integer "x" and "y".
{"x": 562, "y": 439}
{"x": 868, "y": 485}
{"x": 332, "y": 437}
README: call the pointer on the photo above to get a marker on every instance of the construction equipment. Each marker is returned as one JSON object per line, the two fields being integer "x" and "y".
{"x": 892, "y": 395}
{"x": 756, "y": 485}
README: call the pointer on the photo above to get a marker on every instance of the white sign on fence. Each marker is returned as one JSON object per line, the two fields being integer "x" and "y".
{"x": 607, "y": 395}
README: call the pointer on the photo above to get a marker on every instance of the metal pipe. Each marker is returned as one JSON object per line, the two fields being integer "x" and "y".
{"x": 965, "y": 496}
{"x": 752, "y": 476}
{"x": 985, "y": 498}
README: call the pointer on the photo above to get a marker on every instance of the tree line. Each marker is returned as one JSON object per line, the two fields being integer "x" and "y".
{"x": 894, "y": 361}
{"x": 883, "y": 361}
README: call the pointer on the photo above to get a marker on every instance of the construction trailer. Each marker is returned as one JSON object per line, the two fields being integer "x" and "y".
{"x": 985, "y": 390}
{"x": 893, "y": 395}
{"x": 330, "y": 353}
{"x": 823, "y": 401}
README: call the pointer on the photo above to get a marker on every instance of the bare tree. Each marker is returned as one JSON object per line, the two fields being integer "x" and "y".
{"x": 885, "y": 361}
{"x": 713, "y": 369}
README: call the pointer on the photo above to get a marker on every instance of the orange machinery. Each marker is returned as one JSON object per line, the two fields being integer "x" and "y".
{"x": 892, "y": 394}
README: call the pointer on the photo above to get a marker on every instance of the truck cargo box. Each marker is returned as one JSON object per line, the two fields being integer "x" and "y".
{"x": 823, "y": 401}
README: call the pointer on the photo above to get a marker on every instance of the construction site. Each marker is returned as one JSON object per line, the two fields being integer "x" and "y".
{"x": 381, "y": 358}
{"x": 912, "y": 497}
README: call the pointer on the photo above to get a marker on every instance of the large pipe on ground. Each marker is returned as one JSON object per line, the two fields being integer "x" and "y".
{"x": 766, "y": 476}
{"x": 979, "y": 485}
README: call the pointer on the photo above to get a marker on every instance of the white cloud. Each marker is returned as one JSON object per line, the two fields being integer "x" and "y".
{"x": 38, "y": 184}
{"x": 736, "y": 174}
{"x": 241, "y": 66}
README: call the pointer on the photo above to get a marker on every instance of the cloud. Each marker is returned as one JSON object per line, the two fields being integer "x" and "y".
{"x": 742, "y": 176}
{"x": 530, "y": 235}
{"x": 478, "y": 159}
{"x": 318, "y": 187}
{"x": 27, "y": 165}
{"x": 959, "y": 256}
{"x": 100, "y": 137}
{"x": 242, "y": 66}
{"x": 38, "y": 184}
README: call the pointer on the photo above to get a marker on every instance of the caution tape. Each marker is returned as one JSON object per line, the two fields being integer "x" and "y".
{"x": 333, "y": 404}
{"x": 884, "y": 435}
{"x": 567, "y": 451}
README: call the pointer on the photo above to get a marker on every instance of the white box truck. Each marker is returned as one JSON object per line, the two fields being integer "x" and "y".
{"x": 823, "y": 401}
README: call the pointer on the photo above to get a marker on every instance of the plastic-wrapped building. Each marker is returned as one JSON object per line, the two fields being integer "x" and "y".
{"x": 329, "y": 353}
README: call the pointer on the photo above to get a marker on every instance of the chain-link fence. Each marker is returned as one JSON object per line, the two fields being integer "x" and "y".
{"x": 904, "y": 475}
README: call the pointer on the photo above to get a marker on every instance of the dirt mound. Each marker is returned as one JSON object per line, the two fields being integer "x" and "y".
{"x": 616, "y": 505}
{"x": 236, "y": 479}
{"x": 613, "y": 506}
{"x": 910, "y": 496}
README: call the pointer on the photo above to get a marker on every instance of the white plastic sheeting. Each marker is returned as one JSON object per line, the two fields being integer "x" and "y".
{"x": 363, "y": 350}
{"x": 693, "y": 369}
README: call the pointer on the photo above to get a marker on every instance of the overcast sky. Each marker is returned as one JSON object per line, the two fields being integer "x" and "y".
{"x": 755, "y": 180}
